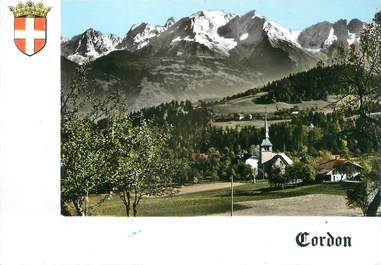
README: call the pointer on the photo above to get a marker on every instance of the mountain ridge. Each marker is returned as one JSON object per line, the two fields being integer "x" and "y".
{"x": 211, "y": 29}
{"x": 205, "y": 56}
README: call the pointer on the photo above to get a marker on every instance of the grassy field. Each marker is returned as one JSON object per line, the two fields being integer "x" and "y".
{"x": 241, "y": 124}
{"x": 247, "y": 105}
{"x": 216, "y": 201}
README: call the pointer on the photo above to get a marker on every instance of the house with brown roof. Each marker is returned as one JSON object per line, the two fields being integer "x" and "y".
{"x": 338, "y": 169}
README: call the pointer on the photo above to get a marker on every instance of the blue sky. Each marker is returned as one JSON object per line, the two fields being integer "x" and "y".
{"x": 117, "y": 16}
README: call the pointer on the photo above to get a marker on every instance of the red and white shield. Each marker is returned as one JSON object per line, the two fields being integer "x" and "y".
{"x": 30, "y": 34}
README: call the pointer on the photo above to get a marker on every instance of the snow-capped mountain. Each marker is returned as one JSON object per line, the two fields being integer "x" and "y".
{"x": 207, "y": 55}
{"x": 194, "y": 35}
{"x": 213, "y": 33}
{"x": 277, "y": 33}
{"x": 217, "y": 33}
{"x": 202, "y": 28}
{"x": 89, "y": 45}
{"x": 93, "y": 44}
{"x": 251, "y": 28}
{"x": 141, "y": 34}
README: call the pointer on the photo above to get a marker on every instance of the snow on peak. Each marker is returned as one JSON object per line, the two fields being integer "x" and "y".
{"x": 170, "y": 22}
{"x": 99, "y": 44}
{"x": 295, "y": 34}
{"x": 143, "y": 38}
{"x": 141, "y": 34}
{"x": 331, "y": 38}
{"x": 244, "y": 36}
{"x": 91, "y": 45}
{"x": 216, "y": 18}
{"x": 205, "y": 25}
{"x": 255, "y": 15}
{"x": 135, "y": 26}
{"x": 277, "y": 33}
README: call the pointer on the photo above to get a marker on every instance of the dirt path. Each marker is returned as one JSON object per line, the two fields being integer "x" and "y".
{"x": 206, "y": 187}
{"x": 310, "y": 205}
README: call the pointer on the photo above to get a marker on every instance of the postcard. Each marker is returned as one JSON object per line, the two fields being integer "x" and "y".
{"x": 190, "y": 132}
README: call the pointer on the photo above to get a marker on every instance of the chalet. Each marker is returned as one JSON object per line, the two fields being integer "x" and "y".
{"x": 268, "y": 159}
{"x": 239, "y": 116}
{"x": 243, "y": 117}
{"x": 338, "y": 169}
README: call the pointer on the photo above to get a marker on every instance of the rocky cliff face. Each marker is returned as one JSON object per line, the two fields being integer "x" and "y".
{"x": 141, "y": 34}
{"x": 322, "y": 36}
{"x": 89, "y": 45}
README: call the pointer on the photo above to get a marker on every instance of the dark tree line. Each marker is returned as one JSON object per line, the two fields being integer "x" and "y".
{"x": 315, "y": 84}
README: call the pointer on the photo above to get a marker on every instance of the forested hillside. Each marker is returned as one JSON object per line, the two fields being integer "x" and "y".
{"x": 315, "y": 84}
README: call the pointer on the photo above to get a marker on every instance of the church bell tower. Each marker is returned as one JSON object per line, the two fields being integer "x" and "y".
{"x": 266, "y": 151}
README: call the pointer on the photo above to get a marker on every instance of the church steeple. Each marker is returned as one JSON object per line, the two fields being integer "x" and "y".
{"x": 266, "y": 153}
{"x": 267, "y": 127}
{"x": 266, "y": 142}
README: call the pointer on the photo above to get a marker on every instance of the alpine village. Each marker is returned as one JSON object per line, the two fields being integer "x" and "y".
{"x": 218, "y": 114}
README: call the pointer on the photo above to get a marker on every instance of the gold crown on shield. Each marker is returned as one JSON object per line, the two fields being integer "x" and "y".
{"x": 30, "y": 10}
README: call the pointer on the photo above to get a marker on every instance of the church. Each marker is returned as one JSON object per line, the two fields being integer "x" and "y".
{"x": 268, "y": 159}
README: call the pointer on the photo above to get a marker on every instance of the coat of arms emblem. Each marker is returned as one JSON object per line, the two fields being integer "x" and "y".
{"x": 30, "y": 26}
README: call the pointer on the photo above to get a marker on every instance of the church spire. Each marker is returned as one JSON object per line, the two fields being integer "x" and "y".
{"x": 266, "y": 141}
{"x": 267, "y": 127}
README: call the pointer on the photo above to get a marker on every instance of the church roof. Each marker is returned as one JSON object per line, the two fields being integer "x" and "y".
{"x": 286, "y": 158}
{"x": 266, "y": 142}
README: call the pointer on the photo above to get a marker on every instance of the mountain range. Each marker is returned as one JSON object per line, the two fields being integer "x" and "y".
{"x": 208, "y": 55}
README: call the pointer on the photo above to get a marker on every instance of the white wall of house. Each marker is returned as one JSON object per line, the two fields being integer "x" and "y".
{"x": 336, "y": 177}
